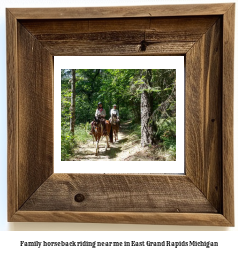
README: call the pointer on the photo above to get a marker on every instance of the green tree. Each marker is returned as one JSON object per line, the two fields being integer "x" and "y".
{"x": 72, "y": 107}
{"x": 147, "y": 97}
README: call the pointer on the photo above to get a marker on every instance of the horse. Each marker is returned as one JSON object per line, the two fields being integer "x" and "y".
{"x": 98, "y": 132}
{"x": 115, "y": 126}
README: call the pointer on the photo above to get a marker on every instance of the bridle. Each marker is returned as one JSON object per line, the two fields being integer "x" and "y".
{"x": 97, "y": 125}
{"x": 114, "y": 117}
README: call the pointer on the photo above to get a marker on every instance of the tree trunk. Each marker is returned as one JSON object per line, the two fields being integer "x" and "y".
{"x": 72, "y": 108}
{"x": 146, "y": 127}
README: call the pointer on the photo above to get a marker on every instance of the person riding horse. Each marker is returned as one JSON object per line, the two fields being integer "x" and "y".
{"x": 99, "y": 116}
{"x": 115, "y": 122}
{"x": 114, "y": 111}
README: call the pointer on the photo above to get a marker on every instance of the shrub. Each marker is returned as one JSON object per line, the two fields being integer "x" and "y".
{"x": 166, "y": 128}
{"x": 68, "y": 141}
{"x": 81, "y": 133}
{"x": 166, "y": 133}
{"x": 67, "y": 144}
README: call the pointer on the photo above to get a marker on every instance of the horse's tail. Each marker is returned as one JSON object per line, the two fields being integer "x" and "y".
{"x": 111, "y": 135}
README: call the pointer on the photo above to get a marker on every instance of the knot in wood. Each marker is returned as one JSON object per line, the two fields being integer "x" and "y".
{"x": 79, "y": 198}
{"x": 143, "y": 45}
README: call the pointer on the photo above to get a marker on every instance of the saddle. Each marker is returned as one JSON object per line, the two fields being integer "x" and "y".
{"x": 101, "y": 120}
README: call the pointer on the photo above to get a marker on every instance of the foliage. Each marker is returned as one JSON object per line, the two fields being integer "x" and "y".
{"x": 166, "y": 128}
{"x": 135, "y": 130}
{"x": 82, "y": 133}
{"x": 166, "y": 133}
{"x": 67, "y": 144}
{"x": 122, "y": 87}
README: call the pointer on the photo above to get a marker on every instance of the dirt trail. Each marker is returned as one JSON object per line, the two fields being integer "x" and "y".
{"x": 118, "y": 150}
{"x": 127, "y": 148}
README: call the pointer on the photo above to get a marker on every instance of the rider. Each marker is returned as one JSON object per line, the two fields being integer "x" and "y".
{"x": 100, "y": 111}
{"x": 114, "y": 111}
{"x": 100, "y": 114}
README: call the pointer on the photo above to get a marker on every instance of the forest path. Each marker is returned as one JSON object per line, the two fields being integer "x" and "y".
{"x": 127, "y": 148}
{"x": 118, "y": 150}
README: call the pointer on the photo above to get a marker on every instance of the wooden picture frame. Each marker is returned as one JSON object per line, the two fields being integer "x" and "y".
{"x": 204, "y": 34}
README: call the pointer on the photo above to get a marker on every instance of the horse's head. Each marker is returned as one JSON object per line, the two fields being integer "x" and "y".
{"x": 114, "y": 118}
{"x": 96, "y": 126}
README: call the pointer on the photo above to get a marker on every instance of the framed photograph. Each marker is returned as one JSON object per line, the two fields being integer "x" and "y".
{"x": 202, "y": 35}
{"x": 117, "y": 80}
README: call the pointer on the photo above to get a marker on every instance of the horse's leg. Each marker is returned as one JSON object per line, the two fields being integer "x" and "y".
{"x": 97, "y": 144}
{"x": 112, "y": 133}
{"x": 99, "y": 136}
{"x": 102, "y": 130}
{"x": 109, "y": 131}
{"x": 107, "y": 144}
{"x": 115, "y": 134}
{"x": 97, "y": 147}
{"x": 117, "y": 130}
{"x": 108, "y": 128}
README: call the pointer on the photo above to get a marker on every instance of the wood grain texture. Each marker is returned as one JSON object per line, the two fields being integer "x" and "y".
{"x": 192, "y": 219}
{"x": 74, "y": 48}
{"x": 179, "y": 25}
{"x": 35, "y": 114}
{"x": 204, "y": 115}
{"x": 119, "y": 36}
{"x": 12, "y": 115}
{"x": 76, "y": 26}
{"x": 120, "y": 11}
{"x": 114, "y": 193}
{"x": 227, "y": 113}
{"x": 204, "y": 196}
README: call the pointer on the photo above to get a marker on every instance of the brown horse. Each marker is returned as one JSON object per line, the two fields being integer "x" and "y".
{"x": 98, "y": 132}
{"x": 115, "y": 126}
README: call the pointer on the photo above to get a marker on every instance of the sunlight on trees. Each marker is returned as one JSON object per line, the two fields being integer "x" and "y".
{"x": 145, "y": 97}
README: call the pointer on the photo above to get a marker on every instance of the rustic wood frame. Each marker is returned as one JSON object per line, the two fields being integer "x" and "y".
{"x": 203, "y": 33}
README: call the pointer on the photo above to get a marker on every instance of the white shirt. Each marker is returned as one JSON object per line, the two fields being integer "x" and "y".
{"x": 100, "y": 113}
{"x": 114, "y": 111}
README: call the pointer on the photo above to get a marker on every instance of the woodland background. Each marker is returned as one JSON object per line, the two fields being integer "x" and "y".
{"x": 145, "y": 98}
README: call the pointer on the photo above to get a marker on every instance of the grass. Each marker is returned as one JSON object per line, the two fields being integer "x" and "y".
{"x": 166, "y": 134}
{"x": 81, "y": 133}
{"x": 69, "y": 142}
{"x": 164, "y": 149}
{"x": 135, "y": 130}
